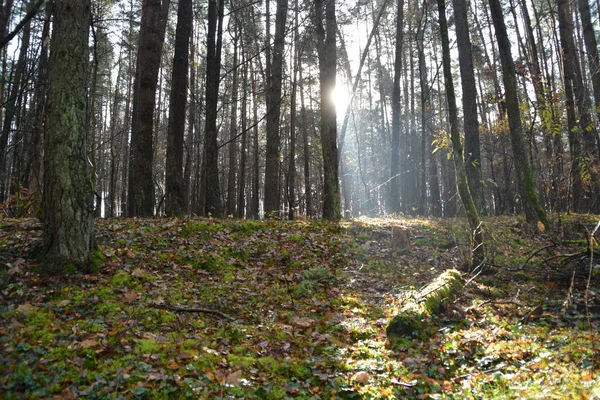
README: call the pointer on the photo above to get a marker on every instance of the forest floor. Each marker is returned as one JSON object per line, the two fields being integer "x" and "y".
{"x": 215, "y": 309}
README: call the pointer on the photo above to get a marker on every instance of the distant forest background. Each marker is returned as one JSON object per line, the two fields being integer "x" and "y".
{"x": 222, "y": 107}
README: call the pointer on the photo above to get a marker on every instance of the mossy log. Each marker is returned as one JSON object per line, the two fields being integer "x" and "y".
{"x": 429, "y": 300}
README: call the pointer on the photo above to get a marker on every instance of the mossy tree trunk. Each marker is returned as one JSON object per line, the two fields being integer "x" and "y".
{"x": 457, "y": 149}
{"x": 68, "y": 193}
{"x": 524, "y": 174}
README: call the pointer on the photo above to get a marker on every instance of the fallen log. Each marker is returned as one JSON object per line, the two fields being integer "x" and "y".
{"x": 421, "y": 304}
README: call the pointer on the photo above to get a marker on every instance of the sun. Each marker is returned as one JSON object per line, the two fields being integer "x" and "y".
{"x": 341, "y": 97}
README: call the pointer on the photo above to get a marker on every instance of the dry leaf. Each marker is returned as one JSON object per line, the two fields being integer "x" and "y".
{"x": 139, "y": 273}
{"x": 235, "y": 377}
{"x": 27, "y": 308}
{"x": 88, "y": 343}
{"x": 303, "y": 322}
{"x": 541, "y": 226}
{"x": 361, "y": 377}
{"x": 63, "y": 303}
{"x": 130, "y": 296}
{"x": 15, "y": 325}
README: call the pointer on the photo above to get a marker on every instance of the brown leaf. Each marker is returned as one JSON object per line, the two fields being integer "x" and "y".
{"x": 361, "y": 377}
{"x": 303, "y": 322}
{"x": 235, "y": 377}
{"x": 139, "y": 273}
{"x": 27, "y": 308}
{"x": 541, "y": 226}
{"x": 89, "y": 343}
{"x": 130, "y": 296}
{"x": 63, "y": 303}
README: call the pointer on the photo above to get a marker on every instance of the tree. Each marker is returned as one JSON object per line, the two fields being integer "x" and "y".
{"x": 210, "y": 175}
{"x": 529, "y": 197}
{"x": 457, "y": 148}
{"x": 274, "y": 79}
{"x": 67, "y": 199}
{"x": 175, "y": 196}
{"x": 395, "y": 167}
{"x": 152, "y": 33}
{"x": 326, "y": 49}
{"x": 469, "y": 98}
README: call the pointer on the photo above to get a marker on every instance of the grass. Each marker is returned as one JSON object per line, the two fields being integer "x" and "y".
{"x": 302, "y": 309}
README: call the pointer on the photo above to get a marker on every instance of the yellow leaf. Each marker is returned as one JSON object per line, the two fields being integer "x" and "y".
{"x": 541, "y": 226}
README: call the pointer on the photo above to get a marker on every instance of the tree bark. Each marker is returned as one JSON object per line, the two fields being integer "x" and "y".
{"x": 529, "y": 197}
{"x": 152, "y": 32}
{"x": 67, "y": 201}
{"x": 210, "y": 175}
{"x": 396, "y": 95}
{"x": 272, "y": 167}
{"x": 472, "y": 149}
{"x": 174, "y": 186}
{"x": 326, "y": 49}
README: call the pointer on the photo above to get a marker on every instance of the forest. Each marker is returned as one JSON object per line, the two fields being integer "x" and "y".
{"x": 299, "y": 199}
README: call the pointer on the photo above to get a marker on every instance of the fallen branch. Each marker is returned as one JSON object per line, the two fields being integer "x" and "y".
{"x": 182, "y": 309}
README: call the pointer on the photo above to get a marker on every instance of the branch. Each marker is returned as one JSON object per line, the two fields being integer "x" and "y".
{"x": 194, "y": 310}
{"x": 30, "y": 14}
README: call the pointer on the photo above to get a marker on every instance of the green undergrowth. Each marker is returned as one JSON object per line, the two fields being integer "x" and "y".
{"x": 216, "y": 309}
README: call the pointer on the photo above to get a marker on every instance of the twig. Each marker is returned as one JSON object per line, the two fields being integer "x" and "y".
{"x": 194, "y": 310}
{"x": 534, "y": 253}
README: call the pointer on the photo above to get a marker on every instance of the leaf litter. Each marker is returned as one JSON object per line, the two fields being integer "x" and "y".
{"x": 206, "y": 308}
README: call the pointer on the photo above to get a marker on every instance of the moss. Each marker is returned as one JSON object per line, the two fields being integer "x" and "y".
{"x": 97, "y": 260}
{"x": 120, "y": 278}
{"x": 147, "y": 346}
{"x": 240, "y": 361}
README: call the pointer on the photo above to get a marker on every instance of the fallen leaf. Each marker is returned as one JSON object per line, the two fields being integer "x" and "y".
{"x": 130, "y": 296}
{"x": 27, "y": 308}
{"x": 541, "y": 226}
{"x": 63, "y": 303}
{"x": 15, "y": 325}
{"x": 303, "y": 322}
{"x": 89, "y": 343}
{"x": 235, "y": 377}
{"x": 139, "y": 273}
{"x": 361, "y": 377}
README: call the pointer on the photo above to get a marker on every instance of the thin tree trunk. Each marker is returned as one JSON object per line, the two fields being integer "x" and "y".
{"x": 394, "y": 169}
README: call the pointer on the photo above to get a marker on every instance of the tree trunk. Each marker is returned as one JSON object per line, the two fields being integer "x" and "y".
{"x": 67, "y": 202}
{"x": 395, "y": 166}
{"x": 326, "y": 49}
{"x": 174, "y": 186}
{"x": 210, "y": 175}
{"x": 152, "y": 32}
{"x": 529, "y": 198}
{"x": 272, "y": 167}
{"x": 231, "y": 202}
{"x": 464, "y": 192}
{"x": 472, "y": 148}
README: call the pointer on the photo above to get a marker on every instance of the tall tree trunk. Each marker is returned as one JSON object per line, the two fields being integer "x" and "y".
{"x": 529, "y": 197}
{"x": 291, "y": 183}
{"x": 272, "y": 167}
{"x": 326, "y": 49}
{"x": 12, "y": 104}
{"x": 472, "y": 147}
{"x": 152, "y": 32}
{"x": 241, "y": 189}
{"x": 394, "y": 169}
{"x": 254, "y": 211}
{"x": 457, "y": 149}
{"x": 67, "y": 203}
{"x": 305, "y": 149}
{"x": 210, "y": 175}
{"x": 174, "y": 186}
{"x": 231, "y": 202}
